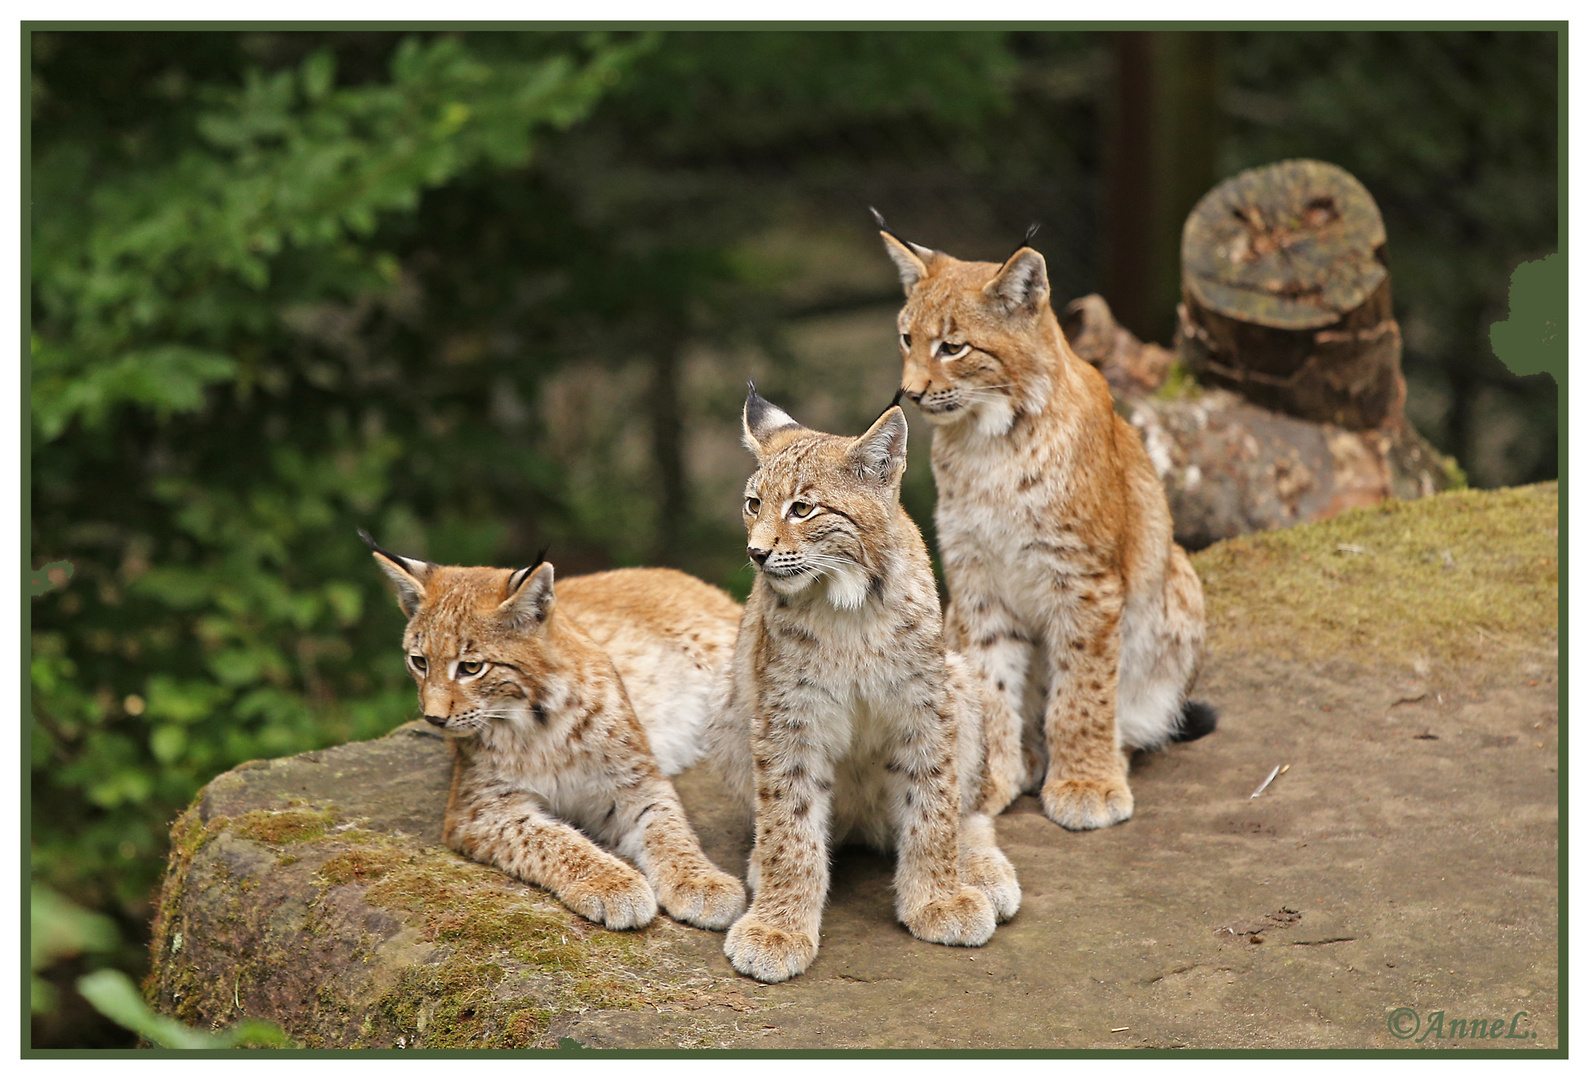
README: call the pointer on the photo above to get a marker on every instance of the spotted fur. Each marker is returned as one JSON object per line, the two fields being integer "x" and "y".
{"x": 843, "y": 719}
{"x": 550, "y": 760}
{"x": 1080, "y": 615}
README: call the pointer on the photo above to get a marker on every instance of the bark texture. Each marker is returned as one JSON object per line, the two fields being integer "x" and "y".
{"x": 1285, "y": 296}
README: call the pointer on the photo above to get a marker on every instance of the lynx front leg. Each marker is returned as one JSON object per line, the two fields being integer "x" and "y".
{"x": 777, "y": 938}
{"x": 984, "y": 866}
{"x": 930, "y": 897}
{"x": 514, "y": 834}
{"x": 1086, "y": 783}
{"x": 1000, "y": 653}
{"x": 660, "y": 841}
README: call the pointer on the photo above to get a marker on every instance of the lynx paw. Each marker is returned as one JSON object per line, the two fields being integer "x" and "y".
{"x": 998, "y": 792}
{"x": 709, "y": 899}
{"x": 991, "y": 873}
{"x": 766, "y": 952}
{"x": 966, "y": 918}
{"x": 615, "y": 896}
{"x": 1087, "y": 804}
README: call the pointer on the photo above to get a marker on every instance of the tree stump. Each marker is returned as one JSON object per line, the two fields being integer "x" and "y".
{"x": 1231, "y": 467}
{"x": 1286, "y": 297}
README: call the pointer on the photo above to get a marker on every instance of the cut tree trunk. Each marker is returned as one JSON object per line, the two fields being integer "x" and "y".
{"x": 1231, "y": 467}
{"x": 1286, "y": 298}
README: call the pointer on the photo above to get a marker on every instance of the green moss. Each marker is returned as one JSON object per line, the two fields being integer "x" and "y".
{"x": 280, "y": 827}
{"x": 486, "y": 928}
{"x": 362, "y": 864}
{"x": 1456, "y": 578}
{"x": 1179, "y": 382}
{"x": 189, "y": 833}
{"x": 495, "y": 962}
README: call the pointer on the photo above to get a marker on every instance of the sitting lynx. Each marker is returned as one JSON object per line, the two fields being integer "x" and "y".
{"x": 1055, "y": 537}
{"x": 548, "y": 753}
{"x": 843, "y": 718}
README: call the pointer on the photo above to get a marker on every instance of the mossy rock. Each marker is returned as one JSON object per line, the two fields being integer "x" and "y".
{"x": 315, "y": 890}
{"x": 1401, "y": 659}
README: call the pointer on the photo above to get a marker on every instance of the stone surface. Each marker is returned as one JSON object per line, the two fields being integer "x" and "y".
{"x": 1407, "y": 858}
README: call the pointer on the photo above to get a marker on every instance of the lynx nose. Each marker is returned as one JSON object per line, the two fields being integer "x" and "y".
{"x": 438, "y": 721}
{"x": 914, "y": 395}
{"x": 757, "y": 555}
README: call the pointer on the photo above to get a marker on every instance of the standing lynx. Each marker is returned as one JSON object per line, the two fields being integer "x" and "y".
{"x": 843, "y": 717}
{"x": 549, "y": 757}
{"x": 1055, "y": 536}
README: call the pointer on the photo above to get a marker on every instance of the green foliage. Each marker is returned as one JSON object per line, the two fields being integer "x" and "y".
{"x": 202, "y": 460}
{"x": 60, "y": 930}
{"x": 114, "y": 995}
{"x": 290, "y": 284}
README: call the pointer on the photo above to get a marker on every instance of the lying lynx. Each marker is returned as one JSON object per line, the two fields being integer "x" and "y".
{"x": 1055, "y": 537}
{"x": 843, "y": 718}
{"x": 548, "y": 753}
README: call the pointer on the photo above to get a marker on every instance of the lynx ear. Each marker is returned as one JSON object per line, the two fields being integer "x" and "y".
{"x": 761, "y": 419}
{"x": 408, "y": 575}
{"x": 879, "y": 455}
{"x": 911, "y": 259}
{"x": 1022, "y": 282}
{"x": 530, "y": 596}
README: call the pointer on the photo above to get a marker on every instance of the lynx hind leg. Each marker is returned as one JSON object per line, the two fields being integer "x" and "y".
{"x": 1161, "y": 652}
{"x": 983, "y": 866}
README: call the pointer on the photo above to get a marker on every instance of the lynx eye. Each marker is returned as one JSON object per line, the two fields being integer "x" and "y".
{"x": 753, "y": 506}
{"x": 800, "y": 510}
{"x": 418, "y": 662}
{"x": 470, "y": 667}
{"x": 948, "y": 348}
{"x": 905, "y": 339}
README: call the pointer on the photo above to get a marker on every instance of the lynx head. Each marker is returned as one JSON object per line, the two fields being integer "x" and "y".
{"x": 821, "y": 507}
{"x": 977, "y": 338}
{"x": 476, "y": 640}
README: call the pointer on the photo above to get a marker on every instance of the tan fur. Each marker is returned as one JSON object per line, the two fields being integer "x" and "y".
{"x": 843, "y": 719}
{"x": 549, "y": 756}
{"x": 1055, "y": 536}
{"x": 669, "y": 635}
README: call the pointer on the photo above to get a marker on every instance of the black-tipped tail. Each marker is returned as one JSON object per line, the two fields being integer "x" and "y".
{"x": 1198, "y": 718}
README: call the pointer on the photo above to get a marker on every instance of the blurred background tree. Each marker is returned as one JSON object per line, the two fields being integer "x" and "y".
{"x": 479, "y": 292}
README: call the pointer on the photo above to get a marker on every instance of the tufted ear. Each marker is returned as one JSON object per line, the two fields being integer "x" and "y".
{"x": 1022, "y": 282}
{"x": 912, "y": 260}
{"x": 408, "y": 575}
{"x": 530, "y": 597}
{"x": 879, "y": 455}
{"x": 761, "y": 419}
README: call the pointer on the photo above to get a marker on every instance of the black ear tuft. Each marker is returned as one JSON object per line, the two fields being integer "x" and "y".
{"x": 408, "y": 576}
{"x": 530, "y": 596}
{"x": 517, "y": 577}
{"x": 1022, "y": 282}
{"x": 762, "y": 418}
